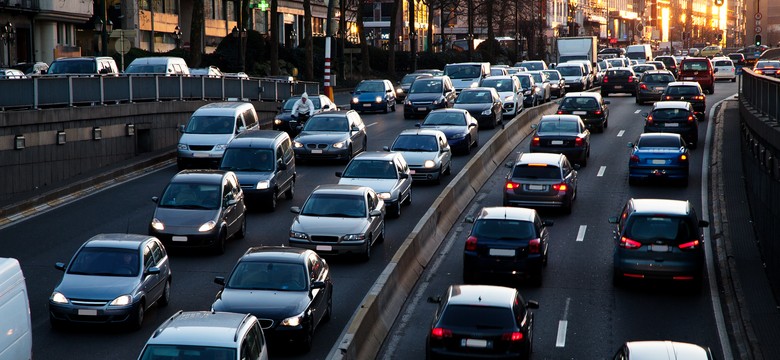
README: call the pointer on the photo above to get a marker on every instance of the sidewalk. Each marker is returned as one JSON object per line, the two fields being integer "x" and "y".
{"x": 749, "y": 303}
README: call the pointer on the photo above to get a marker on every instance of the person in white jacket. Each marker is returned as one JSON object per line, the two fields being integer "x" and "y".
{"x": 303, "y": 107}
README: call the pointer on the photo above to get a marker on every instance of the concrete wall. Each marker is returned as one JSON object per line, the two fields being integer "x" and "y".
{"x": 43, "y": 164}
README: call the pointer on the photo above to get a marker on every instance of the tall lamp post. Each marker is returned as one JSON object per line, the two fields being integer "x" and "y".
{"x": 103, "y": 32}
{"x": 413, "y": 45}
{"x": 177, "y": 35}
{"x": 8, "y": 35}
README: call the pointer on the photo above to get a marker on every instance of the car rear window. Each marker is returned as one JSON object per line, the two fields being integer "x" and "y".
{"x": 694, "y": 65}
{"x": 652, "y": 229}
{"x": 723, "y": 63}
{"x": 483, "y": 317}
{"x": 619, "y": 73}
{"x": 504, "y": 229}
{"x": 658, "y": 78}
{"x": 533, "y": 171}
{"x": 682, "y": 90}
{"x": 670, "y": 114}
{"x": 579, "y": 102}
{"x": 659, "y": 142}
{"x": 768, "y": 64}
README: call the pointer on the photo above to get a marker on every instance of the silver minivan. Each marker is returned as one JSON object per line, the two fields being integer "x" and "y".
{"x": 206, "y": 135}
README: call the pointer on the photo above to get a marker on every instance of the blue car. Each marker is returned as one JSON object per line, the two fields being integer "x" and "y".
{"x": 373, "y": 95}
{"x": 659, "y": 157}
{"x": 458, "y": 125}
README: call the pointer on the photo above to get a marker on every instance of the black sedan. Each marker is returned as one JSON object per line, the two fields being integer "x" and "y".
{"x": 589, "y": 106}
{"x": 483, "y": 103}
{"x": 652, "y": 85}
{"x": 564, "y": 134}
{"x": 284, "y": 121}
{"x": 288, "y": 289}
{"x": 457, "y": 124}
{"x": 689, "y": 91}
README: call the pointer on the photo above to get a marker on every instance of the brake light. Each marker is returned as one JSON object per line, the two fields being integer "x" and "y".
{"x": 691, "y": 245}
{"x": 440, "y": 333}
{"x": 535, "y": 141}
{"x": 597, "y": 112}
{"x": 673, "y": 67}
{"x": 690, "y": 118}
{"x": 513, "y": 336}
{"x": 560, "y": 112}
{"x": 471, "y": 243}
{"x": 634, "y": 159}
{"x": 512, "y": 185}
{"x": 579, "y": 142}
{"x": 533, "y": 246}
{"x": 650, "y": 119}
{"x": 630, "y": 79}
{"x": 560, "y": 187}
{"x": 643, "y": 86}
{"x": 698, "y": 97}
{"x": 758, "y": 71}
{"x": 605, "y": 79}
{"x": 629, "y": 244}
{"x": 667, "y": 97}
{"x": 683, "y": 157}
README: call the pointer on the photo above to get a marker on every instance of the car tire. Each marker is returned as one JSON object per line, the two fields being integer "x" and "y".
{"x": 219, "y": 245}
{"x": 387, "y": 108}
{"x": 392, "y": 108}
{"x": 328, "y": 311}
{"x": 367, "y": 253}
{"x": 308, "y": 339}
{"x": 606, "y": 123}
{"x": 365, "y": 144}
{"x": 290, "y": 193}
{"x": 476, "y": 142}
{"x": 165, "y": 298}
{"x": 448, "y": 171}
{"x": 567, "y": 207}
{"x": 136, "y": 321}
{"x": 408, "y": 198}
{"x": 381, "y": 237}
{"x": 242, "y": 230}
{"x": 437, "y": 180}
{"x": 468, "y": 147}
{"x": 734, "y": 79}
{"x": 397, "y": 210}
{"x": 273, "y": 202}
{"x": 639, "y": 102}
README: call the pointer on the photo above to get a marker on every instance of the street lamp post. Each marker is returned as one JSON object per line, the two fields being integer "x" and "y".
{"x": 240, "y": 34}
{"x": 470, "y": 39}
{"x": 413, "y": 44}
{"x": 8, "y": 35}
{"x": 177, "y": 35}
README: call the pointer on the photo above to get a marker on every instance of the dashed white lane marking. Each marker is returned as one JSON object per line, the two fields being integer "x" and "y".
{"x": 371, "y": 124}
{"x": 560, "y": 340}
{"x": 637, "y": 111}
{"x": 621, "y": 132}
{"x": 601, "y": 171}
{"x": 581, "y": 232}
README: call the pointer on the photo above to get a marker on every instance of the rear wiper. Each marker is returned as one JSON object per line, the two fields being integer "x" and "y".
{"x": 480, "y": 326}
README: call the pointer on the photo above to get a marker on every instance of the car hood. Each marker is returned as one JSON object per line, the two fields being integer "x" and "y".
{"x": 184, "y": 217}
{"x": 447, "y": 129}
{"x": 205, "y": 139}
{"x": 474, "y": 107}
{"x": 321, "y": 136}
{"x": 417, "y": 158}
{"x": 368, "y": 96}
{"x": 379, "y": 185}
{"x": 504, "y": 94}
{"x": 424, "y": 96}
{"x": 251, "y": 178}
{"x": 273, "y": 304}
{"x": 334, "y": 226}
{"x": 93, "y": 287}
{"x": 286, "y": 116}
{"x": 464, "y": 83}
{"x": 572, "y": 78}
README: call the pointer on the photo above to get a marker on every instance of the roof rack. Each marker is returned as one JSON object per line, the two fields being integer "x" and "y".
{"x": 162, "y": 327}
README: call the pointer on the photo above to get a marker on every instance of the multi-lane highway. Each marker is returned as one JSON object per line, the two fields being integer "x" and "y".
{"x": 577, "y": 287}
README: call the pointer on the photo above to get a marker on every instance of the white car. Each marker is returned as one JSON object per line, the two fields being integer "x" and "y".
{"x": 386, "y": 173}
{"x": 509, "y": 90}
{"x": 724, "y": 69}
{"x": 427, "y": 152}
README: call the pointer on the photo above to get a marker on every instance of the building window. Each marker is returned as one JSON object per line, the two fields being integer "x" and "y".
{"x": 170, "y": 6}
{"x": 367, "y": 12}
{"x": 387, "y": 11}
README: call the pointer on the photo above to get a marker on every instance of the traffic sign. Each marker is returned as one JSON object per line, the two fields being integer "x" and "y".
{"x": 758, "y": 16}
{"x": 758, "y": 29}
{"x": 123, "y": 46}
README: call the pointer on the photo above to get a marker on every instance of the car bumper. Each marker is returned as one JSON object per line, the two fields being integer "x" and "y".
{"x": 185, "y": 239}
{"x": 330, "y": 248}
{"x": 574, "y": 87}
{"x": 290, "y": 127}
{"x": 651, "y": 269}
{"x": 535, "y": 201}
{"x": 369, "y": 106}
{"x": 189, "y": 158}
{"x": 493, "y": 265}
{"x": 658, "y": 173}
{"x": 285, "y": 334}
{"x": 303, "y": 153}
{"x": 425, "y": 174}
{"x": 91, "y": 314}
{"x": 652, "y": 95}
{"x": 420, "y": 110}
{"x": 619, "y": 88}
{"x": 485, "y": 120}
{"x": 251, "y": 194}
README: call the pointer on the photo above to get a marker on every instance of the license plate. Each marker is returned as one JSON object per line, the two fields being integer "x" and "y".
{"x": 556, "y": 142}
{"x": 366, "y": 105}
{"x": 501, "y": 252}
{"x": 579, "y": 112}
{"x": 316, "y": 151}
{"x": 412, "y": 172}
{"x": 671, "y": 124}
{"x": 658, "y": 162}
{"x": 618, "y": 86}
{"x": 87, "y": 312}
{"x": 536, "y": 187}
{"x": 687, "y": 78}
{"x": 200, "y": 155}
{"x": 659, "y": 88}
{"x": 324, "y": 248}
{"x": 474, "y": 343}
{"x": 179, "y": 238}
{"x": 659, "y": 248}
{"x": 422, "y": 109}
{"x": 567, "y": 85}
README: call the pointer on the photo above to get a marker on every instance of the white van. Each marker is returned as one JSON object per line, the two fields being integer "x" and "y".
{"x": 641, "y": 53}
{"x": 160, "y": 65}
{"x": 467, "y": 75}
{"x": 15, "y": 330}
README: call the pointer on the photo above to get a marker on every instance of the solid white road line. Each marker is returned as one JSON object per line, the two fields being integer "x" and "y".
{"x": 621, "y": 132}
{"x": 371, "y": 124}
{"x": 637, "y": 112}
{"x": 581, "y": 232}
{"x": 560, "y": 340}
{"x": 601, "y": 171}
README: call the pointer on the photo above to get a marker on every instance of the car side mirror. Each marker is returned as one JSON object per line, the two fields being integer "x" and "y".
{"x": 318, "y": 285}
{"x": 281, "y": 166}
{"x": 230, "y": 202}
{"x": 613, "y": 220}
{"x": 509, "y": 165}
{"x": 240, "y": 129}
{"x": 630, "y": 144}
{"x": 338, "y": 173}
{"x": 704, "y": 223}
{"x": 355, "y": 128}
{"x": 155, "y": 199}
{"x": 374, "y": 213}
{"x": 532, "y": 304}
{"x": 386, "y": 148}
{"x": 295, "y": 210}
{"x": 388, "y": 91}
{"x": 181, "y": 129}
{"x": 403, "y": 175}
{"x": 606, "y": 102}
{"x": 219, "y": 280}
{"x": 645, "y": 114}
{"x": 434, "y": 299}
{"x": 469, "y": 220}
{"x": 417, "y": 125}
{"x": 59, "y": 266}
{"x": 534, "y": 126}
{"x": 548, "y": 222}
{"x": 152, "y": 270}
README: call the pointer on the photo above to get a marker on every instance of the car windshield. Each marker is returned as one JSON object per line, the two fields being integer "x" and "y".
{"x": 73, "y": 67}
{"x": 423, "y": 143}
{"x": 603, "y": 64}
{"x": 619, "y": 73}
{"x": 553, "y": 75}
{"x": 723, "y": 63}
{"x": 501, "y": 85}
{"x": 584, "y": 103}
{"x": 615, "y": 62}
{"x": 102, "y": 261}
{"x": 652, "y": 229}
{"x": 191, "y": 196}
{"x": 189, "y": 352}
{"x": 247, "y": 159}
{"x": 658, "y": 142}
{"x": 569, "y": 70}
{"x": 477, "y": 316}
{"x": 462, "y": 71}
{"x": 426, "y": 86}
{"x": 288, "y": 105}
{"x": 474, "y": 97}
{"x": 658, "y": 78}
{"x": 370, "y": 86}
{"x": 532, "y": 65}
{"x": 694, "y": 66}
{"x": 370, "y": 169}
{"x": 146, "y": 69}
{"x": 445, "y": 118}
{"x": 682, "y": 90}
{"x": 768, "y": 64}
{"x": 408, "y": 79}
{"x": 266, "y": 275}
{"x": 327, "y": 123}
{"x": 556, "y": 126}
{"x": 635, "y": 55}
{"x": 670, "y": 114}
{"x": 335, "y": 205}
{"x": 504, "y": 229}
{"x": 525, "y": 81}
{"x": 537, "y": 77}
{"x": 536, "y": 171}
{"x": 205, "y": 124}
{"x": 643, "y": 68}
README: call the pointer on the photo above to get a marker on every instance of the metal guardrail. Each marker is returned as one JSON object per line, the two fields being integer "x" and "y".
{"x": 762, "y": 93}
{"x": 58, "y": 91}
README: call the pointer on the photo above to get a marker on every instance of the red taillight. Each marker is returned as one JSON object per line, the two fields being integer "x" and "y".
{"x": 513, "y": 336}
{"x": 512, "y": 185}
{"x": 691, "y": 245}
{"x": 597, "y": 112}
{"x": 690, "y": 118}
{"x": 758, "y": 71}
{"x": 579, "y": 142}
{"x": 650, "y": 119}
{"x": 535, "y": 141}
{"x": 560, "y": 112}
{"x": 440, "y": 333}
{"x": 634, "y": 159}
{"x": 643, "y": 86}
{"x": 605, "y": 79}
{"x": 673, "y": 67}
{"x": 471, "y": 243}
{"x": 667, "y": 97}
{"x": 630, "y": 79}
{"x": 560, "y": 187}
{"x": 629, "y": 244}
{"x": 533, "y": 246}
{"x": 698, "y": 97}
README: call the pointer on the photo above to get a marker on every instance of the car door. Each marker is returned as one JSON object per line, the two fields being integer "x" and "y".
{"x": 449, "y": 92}
{"x": 390, "y": 92}
{"x": 405, "y": 183}
{"x": 150, "y": 283}
{"x": 318, "y": 304}
{"x": 445, "y": 153}
{"x": 374, "y": 203}
{"x": 229, "y": 206}
{"x": 161, "y": 262}
{"x": 569, "y": 175}
{"x": 357, "y": 131}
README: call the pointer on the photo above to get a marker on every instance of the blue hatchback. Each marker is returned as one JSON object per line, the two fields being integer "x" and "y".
{"x": 373, "y": 95}
{"x": 658, "y": 157}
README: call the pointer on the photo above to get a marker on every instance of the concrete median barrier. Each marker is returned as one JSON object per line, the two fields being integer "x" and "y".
{"x": 372, "y": 321}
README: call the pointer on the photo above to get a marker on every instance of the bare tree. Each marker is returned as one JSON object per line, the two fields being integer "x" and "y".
{"x": 365, "y": 66}
{"x": 391, "y": 40}
{"x": 308, "y": 68}
{"x": 272, "y": 32}
{"x": 196, "y": 33}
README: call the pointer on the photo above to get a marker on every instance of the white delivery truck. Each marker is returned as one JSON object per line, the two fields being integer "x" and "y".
{"x": 577, "y": 48}
{"x": 15, "y": 330}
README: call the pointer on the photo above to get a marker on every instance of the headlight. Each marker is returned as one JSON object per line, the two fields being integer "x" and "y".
{"x": 527, "y": 92}
{"x": 487, "y": 112}
{"x": 277, "y": 121}
{"x": 182, "y": 146}
{"x": 509, "y": 98}
{"x": 339, "y": 145}
{"x": 408, "y": 102}
{"x": 297, "y": 145}
{"x": 438, "y": 101}
{"x": 474, "y": 84}
{"x": 208, "y": 226}
{"x": 399, "y": 90}
{"x": 298, "y": 235}
{"x": 355, "y": 100}
{"x": 429, "y": 164}
{"x": 262, "y": 185}
{"x": 378, "y": 99}
{"x": 220, "y": 147}
{"x": 58, "y": 298}
{"x": 385, "y": 195}
{"x": 457, "y": 136}
{"x": 353, "y": 237}
{"x": 123, "y": 300}
{"x": 292, "y": 321}
{"x": 157, "y": 225}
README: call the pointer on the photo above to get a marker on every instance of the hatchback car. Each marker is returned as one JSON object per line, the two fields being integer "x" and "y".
{"x": 724, "y": 69}
{"x": 207, "y": 335}
{"x": 641, "y": 68}
{"x": 484, "y": 105}
{"x": 428, "y": 94}
{"x": 659, "y": 65}
{"x": 619, "y": 80}
{"x": 542, "y": 86}
{"x": 687, "y": 91}
{"x": 711, "y": 51}
{"x": 699, "y": 70}
{"x": 373, "y": 95}
{"x": 658, "y": 239}
{"x": 426, "y": 152}
{"x": 533, "y": 64}
{"x": 332, "y": 135}
{"x": 386, "y": 173}
{"x": 767, "y": 67}
{"x": 589, "y": 106}
{"x": 652, "y": 85}
{"x": 574, "y": 75}
{"x": 284, "y": 121}
{"x": 461, "y": 129}
{"x": 528, "y": 86}
{"x": 557, "y": 83}
{"x": 670, "y": 62}
{"x": 289, "y": 290}
{"x": 481, "y": 321}
{"x": 11, "y": 74}
{"x": 506, "y": 241}
{"x": 676, "y": 117}
{"x": 339, "y": 219}
{"x": 662, "y": 350}
{"x": 509, "y": 91}
{"x": 564, "y": 134}
{"x": 658, "y": 157}
{"x": 406, "y": 82}
{"x": 541, "y": 180}
{"x": 112, "y": 279}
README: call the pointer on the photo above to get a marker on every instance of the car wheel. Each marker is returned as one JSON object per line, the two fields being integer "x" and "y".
{"x": 397, "y": 210}
{"x": 408, "y": 198}
{"x": 606, "y": 123}
{"x": 349, "y": 153}
{"x": 448, "y": 170}
{"x": 381, "y": 237}
{"x": 165, "y": 298}
{"x": 437, "y": 180}
{"x": 712, "y": 89}
{"x": 476, "y": 141}
{"x": 290, "y": 193}
{"x": 272, "y": 203}
{"x": 733, "y": 79}
{"x": 639, "y": 102}
{"x": 392, "y": 108}
{"x": 242, "y": 230}
{"x": 307, "y": 341}
{"x": 468, "y": 147}
{"x": 365, "y": 144}
{"x": 137, "y": 319}
{"x": 328, "y": 311}
{"x": 387, "y": 108}
{"x": 567, "y": 207}
{"x": 367, "y": 253}
{"x": 219, "y": 245}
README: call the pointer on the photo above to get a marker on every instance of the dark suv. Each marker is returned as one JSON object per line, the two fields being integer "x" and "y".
{"x": 675, "y": 117}
{"x": 687, "y": 91}
{"x": 699, "y": 70}
{"x": 590, "y": 106}
{"x": 618, "y": 80}
{"x": 541, "y": 180}
{"x": 658, "y": 239}
{"x": 652, "y": 85}
{"x": 427, "y": 94}
{"x": 669, "y": 61}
